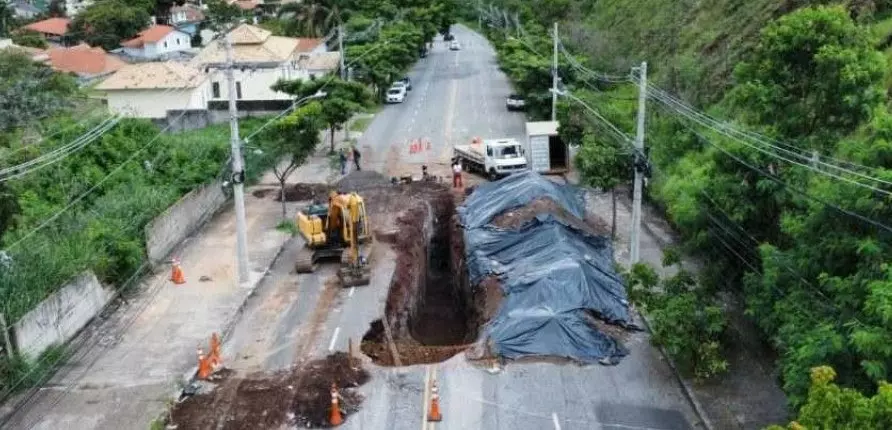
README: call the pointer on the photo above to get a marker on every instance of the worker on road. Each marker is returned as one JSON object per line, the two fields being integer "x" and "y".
{"x": 342, "y": 158}
{"x": 356, "y": 156}
{"x": 456, "y": 174}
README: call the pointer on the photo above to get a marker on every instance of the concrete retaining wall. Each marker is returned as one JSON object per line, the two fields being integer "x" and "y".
{"x": 62, "y": 315}
{"x": 182, "y": 219}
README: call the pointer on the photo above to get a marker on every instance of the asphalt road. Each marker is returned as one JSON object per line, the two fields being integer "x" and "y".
{"x": 456, "y": 95}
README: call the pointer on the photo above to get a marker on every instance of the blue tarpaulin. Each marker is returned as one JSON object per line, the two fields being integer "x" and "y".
{"x": 553, "y": 276}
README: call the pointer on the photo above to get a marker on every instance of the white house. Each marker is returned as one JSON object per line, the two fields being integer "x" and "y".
{"x": 157, "y": 41}
{"x": 262, "y": 59}
{"x": 74, "y": 7}
{"x": 149, "y": 90}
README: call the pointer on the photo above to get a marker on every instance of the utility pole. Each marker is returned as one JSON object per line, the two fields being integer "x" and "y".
{"x": 238, "y": 172}
{"x": 634, "y": 243}
{"x": 554, "y": 76}
{"x": 341, "y": 50}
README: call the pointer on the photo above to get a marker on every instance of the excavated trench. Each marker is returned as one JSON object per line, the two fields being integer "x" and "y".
{"x": 430, "y": 314}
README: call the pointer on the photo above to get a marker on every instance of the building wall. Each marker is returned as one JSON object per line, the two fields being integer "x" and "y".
{"x": 255, "y": 84}
{"x": 173, "y": 42}
{"x": 156, "y": 103}
{"x": 182, "y": 219}
{"x": 62, "y": 315}
{"x": 73, "y": 7}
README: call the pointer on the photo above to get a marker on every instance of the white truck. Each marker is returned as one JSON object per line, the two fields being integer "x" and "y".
{"x": 494, "y": 158}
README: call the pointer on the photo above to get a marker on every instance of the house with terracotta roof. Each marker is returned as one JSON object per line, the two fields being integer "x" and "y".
{"x": 83, "y": 61}
{"x": 186, "y": 17}
{"x": 157, "y": 41}
{"x": 53, "y": 29}
{"x": 149, "y": 90}
{"x": 261, "y": 60}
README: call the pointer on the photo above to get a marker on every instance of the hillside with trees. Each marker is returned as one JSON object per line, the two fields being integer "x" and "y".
{"x": 768, "y": 135}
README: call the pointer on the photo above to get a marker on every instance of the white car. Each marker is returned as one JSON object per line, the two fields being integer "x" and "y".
{"x": 396, "y": 95}
{"x": 454, "y": 46}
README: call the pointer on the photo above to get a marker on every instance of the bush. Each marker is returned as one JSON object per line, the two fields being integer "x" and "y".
{"x": 684, "y": 320}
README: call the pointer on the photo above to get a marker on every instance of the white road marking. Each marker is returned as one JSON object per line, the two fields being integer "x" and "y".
{"x": 334, "y": 338}
{"x": 557, "y": 422}
{"x": 352, "y": 289}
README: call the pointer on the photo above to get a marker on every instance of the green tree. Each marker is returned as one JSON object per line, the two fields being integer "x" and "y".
{"x": 343, "y": 99}
{"x": 605, "y": 163}
{"x": 109, "y": 22}
{"x": 814, "y": 73}
{"x": 8, "y": 20}
{"x": 220, "y": 13}
{"x": 294, "y": 138}
{"x": 29, "y": 38}
{"x": 29, "y": 90}
{"x": 830, "y": 407}
{"x": 312, "y": 18}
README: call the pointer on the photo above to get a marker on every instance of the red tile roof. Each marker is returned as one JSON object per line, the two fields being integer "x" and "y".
{"x": 245, "y": 4}
{"x": 149, "y": 35}
{"x": 307, "y": 45}
{"x": 83, "y": 60}
{"x": 54, "y": 26}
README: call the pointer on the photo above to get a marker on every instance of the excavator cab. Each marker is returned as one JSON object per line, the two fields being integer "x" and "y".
{"x": 340, "y": 230}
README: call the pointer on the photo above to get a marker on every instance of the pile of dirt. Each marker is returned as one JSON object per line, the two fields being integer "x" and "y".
{"x": 303, "y": 192}
{"x": 375, "y": 346}
{"x": 268, "y": 401}
{"x": 517, "y": 217}
{"x": 360, "y": 180}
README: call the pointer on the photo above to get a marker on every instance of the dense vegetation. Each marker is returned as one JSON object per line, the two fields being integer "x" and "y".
{"x": 88, "y": 209}
{"x": 795, "y": 219}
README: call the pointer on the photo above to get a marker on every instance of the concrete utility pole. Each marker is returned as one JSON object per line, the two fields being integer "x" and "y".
{"x": 341, "y": 50}
{"x": 634, "y": 244}
{"x": 238, "y": 171}
{"x": 554, "y": 76}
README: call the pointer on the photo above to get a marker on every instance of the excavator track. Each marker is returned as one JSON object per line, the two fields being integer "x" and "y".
{"x": 305, "y": 261}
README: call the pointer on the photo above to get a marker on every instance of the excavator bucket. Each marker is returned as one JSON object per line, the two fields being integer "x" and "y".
{"x": 355, "y": 276}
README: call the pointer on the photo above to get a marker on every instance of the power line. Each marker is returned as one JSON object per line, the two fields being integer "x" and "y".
{"x": 733, "y": 133}
{"x": 794, "y": 189}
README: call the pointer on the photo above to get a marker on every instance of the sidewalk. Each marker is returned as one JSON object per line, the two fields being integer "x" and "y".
{"x": 129, "y": 363}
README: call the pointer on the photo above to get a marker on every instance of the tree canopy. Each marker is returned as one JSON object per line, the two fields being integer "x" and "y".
{"x": 107, "y": 23}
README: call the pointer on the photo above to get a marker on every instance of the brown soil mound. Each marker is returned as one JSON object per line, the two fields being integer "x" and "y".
{"x": 374, "y": 345}
{"x": 302, "y": 193}
{"x": 268, "y": 401}
{"x": 515, "y": 218}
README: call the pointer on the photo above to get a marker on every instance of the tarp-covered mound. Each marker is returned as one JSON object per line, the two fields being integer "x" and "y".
{"x": 492, "y": 198}
{"x": 554, "y": 277}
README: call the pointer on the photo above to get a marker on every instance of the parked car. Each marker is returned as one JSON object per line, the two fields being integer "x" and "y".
{"x": 396, "y": 94}
{"x": 454, "y": 46}
{"x": 407, "y": 83}
{"x": 515, "y": 102}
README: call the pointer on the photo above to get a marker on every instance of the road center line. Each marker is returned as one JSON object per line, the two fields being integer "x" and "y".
{"x": 334, "y": 338}
{"x": 352, "y": 289}
{"x": 557, "y": 422}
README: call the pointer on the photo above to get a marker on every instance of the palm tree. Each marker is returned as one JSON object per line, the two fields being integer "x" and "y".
{"x": 311, "y": 18}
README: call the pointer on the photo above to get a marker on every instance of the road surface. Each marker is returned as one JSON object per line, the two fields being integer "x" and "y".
{"x": 456, "y": 95}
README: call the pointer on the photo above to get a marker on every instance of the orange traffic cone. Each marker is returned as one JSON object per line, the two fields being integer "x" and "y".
{"x": 214, "y": 357}
{"x": 434, "y": 413}
{"x": 335, "y": 417}
{"x": 176, "y": 273}
{"x": 204, "y": 365}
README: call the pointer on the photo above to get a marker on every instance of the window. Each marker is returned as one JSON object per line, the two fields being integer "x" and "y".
{"x": 165, "y": 44}
{"x": 238, "y": 90}
{"x": 215, "y": 90}
{"x": 178, "y": 41}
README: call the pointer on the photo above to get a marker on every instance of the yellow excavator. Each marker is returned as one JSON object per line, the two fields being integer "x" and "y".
{"x": 339, "y": 229}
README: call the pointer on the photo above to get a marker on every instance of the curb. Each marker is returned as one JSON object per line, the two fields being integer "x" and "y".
{"x": 686, "y": 388}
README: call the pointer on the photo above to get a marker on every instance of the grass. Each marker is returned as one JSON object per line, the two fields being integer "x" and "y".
{"x": 18, "y": 373}
{"x": 287, "y": 226}
{"x": 362, "y": 123}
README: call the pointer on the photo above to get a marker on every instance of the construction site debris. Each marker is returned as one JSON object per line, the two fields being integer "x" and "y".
{"x": 361, "y": 180}
{"x": 553, "y": 270}
{"x": 300, "y": 397}
{"x": 303, "y": 192}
